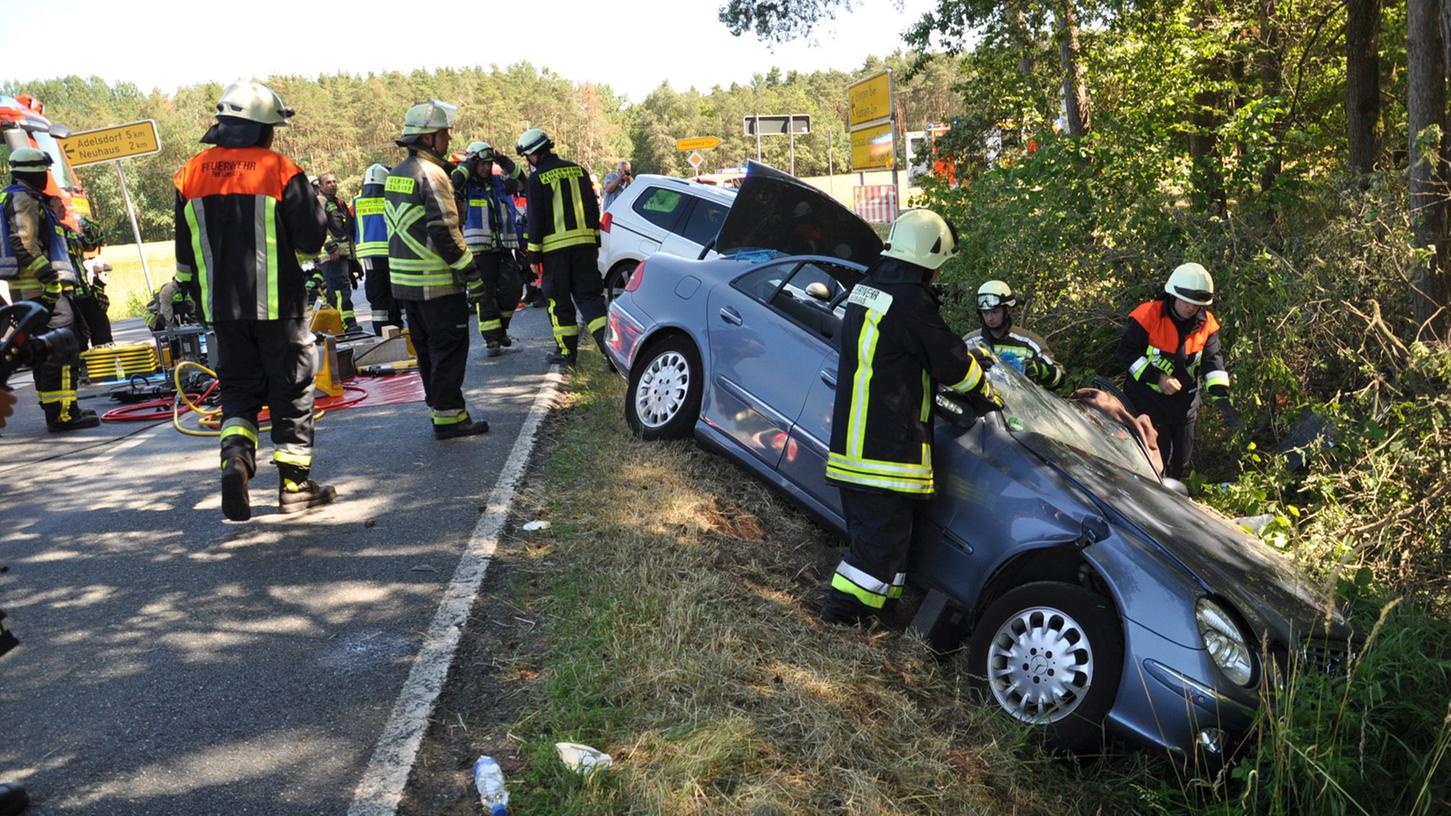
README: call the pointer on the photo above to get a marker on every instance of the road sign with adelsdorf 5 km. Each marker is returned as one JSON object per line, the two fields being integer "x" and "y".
{"x": 116, "y": 142}
{"x": 697, "y": 143}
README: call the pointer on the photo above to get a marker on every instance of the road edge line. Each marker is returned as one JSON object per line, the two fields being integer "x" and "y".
{"x": 380, "y": 790}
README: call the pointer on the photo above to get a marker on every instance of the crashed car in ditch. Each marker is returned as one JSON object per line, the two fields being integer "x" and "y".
{"x": 1096, "y": 595}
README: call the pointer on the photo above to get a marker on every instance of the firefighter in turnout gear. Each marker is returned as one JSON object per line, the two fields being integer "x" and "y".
{"x": 895, "y": 351}
{"x": 371, "y": 236}
{"x": 431, "y": 267}
{"x": 1020, "y": 348}
{"x": 337, "y": 264}
{"x": 1169, "y": 344}
{"x": 489, "y": 231}
{"x": 243, "y": 213}
{"x": 35, "y": 261}
{"x": 563, "y": 238}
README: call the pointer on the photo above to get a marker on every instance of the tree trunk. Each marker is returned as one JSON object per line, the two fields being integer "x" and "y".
{"x": 1075, "y": 93}
{"x": 1426, "y": 121}
{"x": 1272, "y": 83}
{"x": 1205, "y": 172}
{"x": 1362, "y": 84}
{"x": 1023, "y": 39}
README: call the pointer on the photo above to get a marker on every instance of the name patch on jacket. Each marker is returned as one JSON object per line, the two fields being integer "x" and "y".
{"x": 370, "y": 206}
{"x": 873, "y": 299}
{"x": 549, "y": 177}
{"x": 399, "y": 184}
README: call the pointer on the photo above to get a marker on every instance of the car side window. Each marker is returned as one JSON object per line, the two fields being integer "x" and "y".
{"x": 815, "y": 297}
{"x": 762, "y": 283}
{"x": 704, "y": 222}
{"x": 660, "y": 206}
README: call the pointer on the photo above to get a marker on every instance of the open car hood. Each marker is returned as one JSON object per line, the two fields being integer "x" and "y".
{"x": 1266, "y": 587}
{"x": 776, "y": 211}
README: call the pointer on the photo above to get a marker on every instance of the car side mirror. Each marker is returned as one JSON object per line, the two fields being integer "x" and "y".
{"x": 818, "y": 290}
{"x": 1176, "y": 486}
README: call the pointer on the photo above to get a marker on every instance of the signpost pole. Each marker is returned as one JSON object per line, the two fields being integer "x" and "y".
{"x": 756, "y": 126}
{"x": 896, "y": 185}
{"x": 791, "y": 132}
{"x": 135, "y": 228}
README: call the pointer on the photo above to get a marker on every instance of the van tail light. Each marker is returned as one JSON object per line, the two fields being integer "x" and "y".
{"x": 636, "y": 277}
{"x": 605, "y": 221}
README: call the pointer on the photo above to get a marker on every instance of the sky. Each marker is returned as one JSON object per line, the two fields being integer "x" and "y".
{"x": 630, "y": 46}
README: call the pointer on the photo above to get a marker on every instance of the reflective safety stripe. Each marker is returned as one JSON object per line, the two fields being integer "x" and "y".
{"x": 864, "y": 587}
{"x": 862, "y": 385}
{"x": 597, "y": 324}
{"x": 52, "y": 397}
{"x": 201, "y": 251}
{"x": 897, "y": 485}
{"x": 567, "y": 238}
{"x": 284, "y": 457}
{"x": 561, "y": 332}
{"x": 491, "y": 325}
{"x": 1214, "y": 378}
{"x": 898, "y": 584}
{"x": 237, "y": 426}
{"x": 912, "y": 470}
{"x": 448, "y": 417}
{"x": 974, "y": 376}
{"x": 399, "y": 277}
{"x": 1137, "y": 369}
{"x": 269, "y": 246}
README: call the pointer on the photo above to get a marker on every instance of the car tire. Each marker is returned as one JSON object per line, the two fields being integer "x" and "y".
{"x": 1011, "y": 644}
{"x": 663, "y": 400}
{"x": 618, "y": 276}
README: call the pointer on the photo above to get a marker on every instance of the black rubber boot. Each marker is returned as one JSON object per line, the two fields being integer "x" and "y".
{"x": 13, "y": 799}
{"x": 493, "y": 348}
{"x": 236, "y": 503}
{"x": 79, "y": 419}
{"x": 841, "y": 608}
{"x": 459, "y": 429}
{"x": 569, "y": 356}
{"x": 297, "y": 492}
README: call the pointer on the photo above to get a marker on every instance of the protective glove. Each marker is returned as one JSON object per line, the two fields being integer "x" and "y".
{"x": 475, "y": 292}
{"x": 1039, "y": 369}
{"x": 983, "y": 356}
{"x": 985, "y": 399}
{"x": 1227, "y": 411}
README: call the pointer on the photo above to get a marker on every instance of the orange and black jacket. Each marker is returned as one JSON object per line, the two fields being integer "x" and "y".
{"x": 242, "y": 216}
{"x": 562, "y": 210}
{"x": 1155, "y": 341}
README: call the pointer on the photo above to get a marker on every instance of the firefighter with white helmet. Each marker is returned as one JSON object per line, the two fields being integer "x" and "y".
{"x": 1019, "y": 347}
{"x": 895, "y": 350}
{"x": 244, "y": 213}
{"x": 432, "y": 270}
{"x": 1169, "y": 345}
{"x": 370, "y": 242}
{"x": 489, "y": 228}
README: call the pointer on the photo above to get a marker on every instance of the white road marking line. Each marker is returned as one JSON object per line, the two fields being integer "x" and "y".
{"x": 381, "y": 788}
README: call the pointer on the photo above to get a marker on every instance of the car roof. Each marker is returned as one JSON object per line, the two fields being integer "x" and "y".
{"x": 710, "y": 191}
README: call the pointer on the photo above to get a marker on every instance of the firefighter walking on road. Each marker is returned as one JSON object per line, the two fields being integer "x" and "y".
{"x": 431, "y": 268}
{"x": 564, "y": 237}
{"x": 243, "y": 212}
{"x": 1020, "y": 348}
{"x": 35, "y": 259}
{"x": 371, "y": 236}
{"x": 1169, "y": 344}
{"x": 895, "y": 349}
{"x": 489, "y": 231}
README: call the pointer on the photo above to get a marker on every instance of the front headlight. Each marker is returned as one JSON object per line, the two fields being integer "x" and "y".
{"x": 1225, "y": 642}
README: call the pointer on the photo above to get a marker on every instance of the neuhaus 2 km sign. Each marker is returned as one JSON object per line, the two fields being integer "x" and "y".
{"x": 116, "y": 142}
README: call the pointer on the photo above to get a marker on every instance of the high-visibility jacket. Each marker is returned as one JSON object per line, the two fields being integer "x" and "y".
{"x": 894, "y": 348}
{"x": 370, "y": 226}
{"x": 1155, "y": 341}
{"x": 562, "y": 210}
{"x": 490, "y": 220}
{"x": 427, "y": 257}
{"x": 34, "y": 255}
{"x": 339, "y": 225}
{"x": 1025, "y": 345}
{"x": 242, "y": 216}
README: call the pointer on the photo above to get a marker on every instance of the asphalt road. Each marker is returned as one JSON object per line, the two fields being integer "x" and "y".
{"x": 175, "y": 663}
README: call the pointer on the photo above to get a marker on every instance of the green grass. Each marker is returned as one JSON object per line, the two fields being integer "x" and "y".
{"x": 126, "y": 286}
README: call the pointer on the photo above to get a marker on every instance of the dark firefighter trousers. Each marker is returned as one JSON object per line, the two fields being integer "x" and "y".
{"x": 376, "y": 285}
{"x": 440, "y": 332}
{"x": 55, "y": 380}
{"x": 1176, "y": 433}
{"x": 336, "y": 276}
{"x": 266, "y": 362}
{"x": 572, "y": 281}
{"x": 500, "y": 274}
{"x": 873, "y": 572}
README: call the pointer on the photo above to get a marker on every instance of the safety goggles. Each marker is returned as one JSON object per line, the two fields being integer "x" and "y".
{"x": 1196, "y": 296}
{"x": 991, "y": 301}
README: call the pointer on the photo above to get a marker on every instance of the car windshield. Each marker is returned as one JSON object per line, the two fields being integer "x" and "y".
{"x": 1031, "y": 409}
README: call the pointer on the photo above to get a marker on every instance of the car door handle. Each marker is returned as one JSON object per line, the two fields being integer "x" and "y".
{"x": 731, "y": 316}
{"x": 828, "y": 377}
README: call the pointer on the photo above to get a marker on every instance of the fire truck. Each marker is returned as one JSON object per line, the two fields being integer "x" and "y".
{"x": 23, "y": 124}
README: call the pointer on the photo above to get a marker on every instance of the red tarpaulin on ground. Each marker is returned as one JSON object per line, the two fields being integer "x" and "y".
{"x": 394, "y": 389}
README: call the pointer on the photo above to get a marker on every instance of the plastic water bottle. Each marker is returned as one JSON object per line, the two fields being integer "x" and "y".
{"x": 489, "y": 779}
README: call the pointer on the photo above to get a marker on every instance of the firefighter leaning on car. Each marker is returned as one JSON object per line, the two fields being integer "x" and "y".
{"x": 489, "y": 230}
{"x": 243, "y": 213}
{"x": 895, "y": 350}
{"x": 371, "y": 235}
{"x": 337, "y": 265}
{"x": 35, "y": 260}
{"x": 564, "y": 238}
{"x": 430, "y": 265}
{"x": 1168, "y": 345}
{"x": 1017, "y": 346}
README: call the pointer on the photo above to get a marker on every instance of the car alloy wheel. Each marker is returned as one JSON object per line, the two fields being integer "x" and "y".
{"x": 1040, "y": 665}
{"x": 662, "y": 389}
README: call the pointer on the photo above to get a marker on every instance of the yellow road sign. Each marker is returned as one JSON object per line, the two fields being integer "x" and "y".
{"x": 871, "y": 99}
{"x": 118, "y": 142}
{"x": 698, "y": 143}
{"x": 871, "y": 148}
